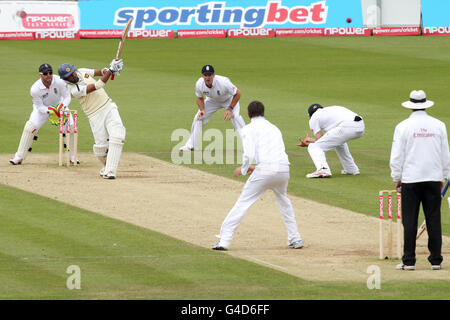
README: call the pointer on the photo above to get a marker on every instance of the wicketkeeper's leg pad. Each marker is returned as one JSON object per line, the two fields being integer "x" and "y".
{"x": 26, "y": 140}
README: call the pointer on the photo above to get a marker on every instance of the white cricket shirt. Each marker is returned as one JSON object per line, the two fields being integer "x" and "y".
{"x": 222, "y": 89}
{"x": 263, "y": 142}
{"x": 420, "y": 150}
{"x": 93, "y": 102}
{"x": 55, "y": 94}
{"x": 330, "y": 117}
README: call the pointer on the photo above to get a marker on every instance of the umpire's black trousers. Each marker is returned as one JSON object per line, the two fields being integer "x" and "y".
{"x": 429, "y": 194}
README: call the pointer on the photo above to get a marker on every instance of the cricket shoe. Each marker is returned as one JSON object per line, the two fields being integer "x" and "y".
{"x": 186, "y": 148}
{"x": 436, "y": 267}
{"x": 350, "y": 173}
{"x": 217, "y": 246}
{"x": 296, "y": 244}
{"x": 73, "y": 162}
{"x": 109, "y": 176}
{"x": 402, "y": 266}
{"x": 321, "y": 173}
{"x": 15, "y": 161}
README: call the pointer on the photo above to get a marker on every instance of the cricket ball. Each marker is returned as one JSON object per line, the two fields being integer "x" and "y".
{"x": 21, "y": 14}
{"x": 349, "y": 20}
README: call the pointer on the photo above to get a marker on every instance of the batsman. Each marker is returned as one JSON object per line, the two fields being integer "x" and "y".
{"x": 102, "y": 112}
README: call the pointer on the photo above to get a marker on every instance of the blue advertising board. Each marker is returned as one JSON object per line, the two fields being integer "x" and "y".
{"x": 197, "y": 14}
{"x": 435, "y": 13}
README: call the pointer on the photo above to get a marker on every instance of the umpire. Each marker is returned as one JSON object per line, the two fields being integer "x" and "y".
{"x": 419, "y": 164}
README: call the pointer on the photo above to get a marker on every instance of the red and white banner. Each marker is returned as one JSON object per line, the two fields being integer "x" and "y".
{"x": 20, "y": 16}
{"x": 56, "y": 35}
{"x": 16, "y": 35}
{"x": 305, "y": 32}
{"x": 151, "y": 34}
{"x": 250, "y": 32}
{"x": 358, "y": 32}
{"x": 47, "y": 21}
{"x": 100, "y": 34}
{"x": 205, "y": 33}
{"x": 396, "y": 31}
{"x": 436, "y": 31}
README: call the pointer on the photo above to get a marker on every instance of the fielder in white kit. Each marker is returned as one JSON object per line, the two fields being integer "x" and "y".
{"x": 104, "y": 118}
{"x": 220, "y": 93}
{"x": 46, "y": 93}
{"x": 340, "y": 125}
{"x": 262, "y": 141}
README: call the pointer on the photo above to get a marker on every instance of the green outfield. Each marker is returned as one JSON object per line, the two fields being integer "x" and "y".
{"x": 155, "y": 95}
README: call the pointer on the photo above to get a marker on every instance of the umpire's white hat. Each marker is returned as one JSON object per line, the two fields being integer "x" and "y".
{"x": 417, "y": 100}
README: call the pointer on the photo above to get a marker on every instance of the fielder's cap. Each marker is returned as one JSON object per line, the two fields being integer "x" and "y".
{"x": 45, "y": 68}
{"x": 208, "y": 69}
{"x": 417, "y": 100}
{"x": 65, "y": 70}
{"x": 313, "y": 108}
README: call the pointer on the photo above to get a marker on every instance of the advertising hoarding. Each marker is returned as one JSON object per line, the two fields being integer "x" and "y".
{"x": 229, "y": 14}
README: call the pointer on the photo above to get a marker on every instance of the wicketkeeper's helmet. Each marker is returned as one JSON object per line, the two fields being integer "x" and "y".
{"x": 313, "y": 108}
{"x": 65, "y": 70}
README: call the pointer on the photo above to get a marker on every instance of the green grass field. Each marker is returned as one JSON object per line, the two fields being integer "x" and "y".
{"x": 155, "y": 95}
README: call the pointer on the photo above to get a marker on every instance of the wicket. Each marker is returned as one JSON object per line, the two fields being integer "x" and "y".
{"x": 390, "y": 227}
{"x": 68, "y": 133}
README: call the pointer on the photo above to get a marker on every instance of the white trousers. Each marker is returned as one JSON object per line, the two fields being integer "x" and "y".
{"x": 210, "y": 108}
{"x": 109, "y": 135}
{"x": 106, "y": 124}
{"x": 337, "y": 139}
{"x": 258, "y": 182}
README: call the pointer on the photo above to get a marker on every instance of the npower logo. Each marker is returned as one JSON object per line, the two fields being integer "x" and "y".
{"x": 347, "y": 31}
{"x": 48, "y": 21}
{"x": 217, "y": 13}
{"x": 250, "y": 32}
{"x": 436, "y": 30}
{"x": 64, "y": 34}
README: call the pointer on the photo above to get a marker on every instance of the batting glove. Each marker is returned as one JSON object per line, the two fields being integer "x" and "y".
{"x": 116, "y": 66}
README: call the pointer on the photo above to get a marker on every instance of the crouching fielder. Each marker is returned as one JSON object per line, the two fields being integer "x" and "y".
{"x": 102, "y": 112}
{"x": 263, "y": 142}
{"x": 220, "y": 93}
{"x": 50, "y": 96}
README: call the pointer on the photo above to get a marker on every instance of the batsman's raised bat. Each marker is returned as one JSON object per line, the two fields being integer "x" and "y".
{"x": 122, "y": 41}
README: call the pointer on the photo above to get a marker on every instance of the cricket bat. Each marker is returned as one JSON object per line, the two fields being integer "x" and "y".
{"x": 122, "y": 41}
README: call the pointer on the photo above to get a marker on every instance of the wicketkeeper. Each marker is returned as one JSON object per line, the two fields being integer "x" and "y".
{"x": 50, "y": 97}
{"x": 104, "y": 118}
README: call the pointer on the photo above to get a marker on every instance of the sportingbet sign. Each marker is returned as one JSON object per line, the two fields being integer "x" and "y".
{"x": 231, "y": 14}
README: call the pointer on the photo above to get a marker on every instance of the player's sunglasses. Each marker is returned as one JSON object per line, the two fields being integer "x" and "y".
{"x": 46, "y": 73}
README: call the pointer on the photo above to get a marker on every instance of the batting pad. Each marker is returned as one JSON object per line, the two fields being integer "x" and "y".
{"x": 26, "y": 140}
{"x": 100, "y": 151}
{"x": 116, "y": 141}
{"x": 112, "y": 160}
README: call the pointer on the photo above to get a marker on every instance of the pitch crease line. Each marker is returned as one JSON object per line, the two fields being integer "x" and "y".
{"x": 267, "y": 263}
